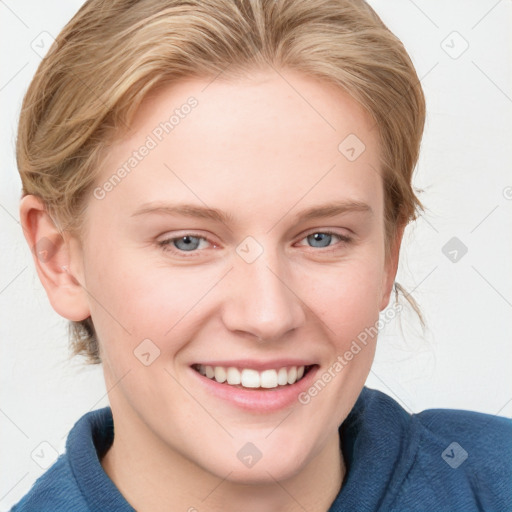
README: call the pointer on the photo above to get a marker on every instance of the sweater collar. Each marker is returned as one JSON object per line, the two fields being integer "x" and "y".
{"x": 88, "y": 441}
{"x": 373, "y": 440}
{"x": 378, "y": 440}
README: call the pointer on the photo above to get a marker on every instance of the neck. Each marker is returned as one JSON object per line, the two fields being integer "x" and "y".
{"x": 150, "y": 478}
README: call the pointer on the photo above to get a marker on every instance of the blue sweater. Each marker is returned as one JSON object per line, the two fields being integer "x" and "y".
{"x": 437, "y": 460}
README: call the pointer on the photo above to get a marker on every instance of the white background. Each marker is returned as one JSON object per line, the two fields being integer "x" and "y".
{"x": 463, "y": 359}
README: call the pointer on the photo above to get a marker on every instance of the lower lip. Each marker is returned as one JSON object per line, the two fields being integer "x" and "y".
{"x": 258, "y": 400}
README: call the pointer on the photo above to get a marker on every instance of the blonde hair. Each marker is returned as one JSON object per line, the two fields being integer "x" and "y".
{"x": 114, "y": 52}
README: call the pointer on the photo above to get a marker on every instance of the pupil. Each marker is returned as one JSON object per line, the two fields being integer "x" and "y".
{"x": 187, "y": 242}
{"x": 321, "y": 237}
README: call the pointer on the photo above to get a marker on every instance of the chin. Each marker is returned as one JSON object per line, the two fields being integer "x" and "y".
{"x": 250, "y": 466}
{"x": 264, "y": 473}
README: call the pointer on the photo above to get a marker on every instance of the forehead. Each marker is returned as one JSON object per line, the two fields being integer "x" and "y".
{"x": 273, "y": 138}
{"x": 257, "y": 108}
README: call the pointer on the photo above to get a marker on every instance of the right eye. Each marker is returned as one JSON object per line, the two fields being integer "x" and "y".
{"x": 187, "y": 243}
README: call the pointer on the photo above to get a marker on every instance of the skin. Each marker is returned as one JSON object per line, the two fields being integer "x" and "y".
{"x": 261, "y": 153}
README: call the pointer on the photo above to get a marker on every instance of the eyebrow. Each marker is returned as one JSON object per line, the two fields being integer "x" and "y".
{"x": 190, "y": 210}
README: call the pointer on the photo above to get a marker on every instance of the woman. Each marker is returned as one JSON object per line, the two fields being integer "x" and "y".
{"x": 215, "y": 193}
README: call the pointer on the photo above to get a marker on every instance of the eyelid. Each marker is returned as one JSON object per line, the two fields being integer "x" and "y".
{"x": 330, "y": 231}
{"x": 184, "y": 233}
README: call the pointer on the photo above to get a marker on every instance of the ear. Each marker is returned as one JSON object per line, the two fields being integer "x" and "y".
{"x": 391, "y": 267}
{"x": 57, "y": 257}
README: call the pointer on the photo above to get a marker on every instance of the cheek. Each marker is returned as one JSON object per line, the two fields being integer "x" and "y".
{"x": 348, "y": 298}
{"x": 135, "y": 299}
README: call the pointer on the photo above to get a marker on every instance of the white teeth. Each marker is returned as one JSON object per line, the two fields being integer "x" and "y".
{"x": 234, "y": 377}
{"x": 220, "y": 374}
{"x": 250, "y": 378}
{"x": 292, "y": 375}
{"x": 268, "y": 379}
{"x": 282, "y": 377}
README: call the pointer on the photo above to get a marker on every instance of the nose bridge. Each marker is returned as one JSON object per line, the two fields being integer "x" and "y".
{"x": 262, "y": 301}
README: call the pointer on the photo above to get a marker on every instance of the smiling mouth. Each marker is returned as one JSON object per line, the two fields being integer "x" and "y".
{"x": 248, "y": 378}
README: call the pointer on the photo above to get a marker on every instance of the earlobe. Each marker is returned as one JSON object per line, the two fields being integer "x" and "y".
{"x": 391, "y": 267}
{"x": 55, "y": 255}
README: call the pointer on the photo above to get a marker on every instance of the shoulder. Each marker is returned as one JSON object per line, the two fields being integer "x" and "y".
{"x": 483, "y": 434}
{"x": 482, "y": 439}
{"x": 76, "y": 480}
{"x": 54, "y": 490}
{"x": 487, "y": 432}
{"x": 467, "y": 435}
{"x": 436, "y": 460}
{"x": 464, "y": 457}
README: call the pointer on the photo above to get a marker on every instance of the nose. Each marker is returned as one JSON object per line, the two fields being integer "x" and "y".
{"x": 262, "y": 300}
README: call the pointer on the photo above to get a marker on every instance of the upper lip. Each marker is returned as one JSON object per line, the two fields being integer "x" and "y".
{"x": 258, "y": 365}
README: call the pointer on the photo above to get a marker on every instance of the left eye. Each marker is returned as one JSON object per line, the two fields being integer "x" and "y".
{"x": 324, "y": 238}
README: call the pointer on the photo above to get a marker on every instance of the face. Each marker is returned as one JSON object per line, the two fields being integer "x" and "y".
{"x": 248, "y": 237}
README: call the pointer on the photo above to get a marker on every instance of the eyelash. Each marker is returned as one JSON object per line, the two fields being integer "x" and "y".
{"x": 167, "y": 247}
